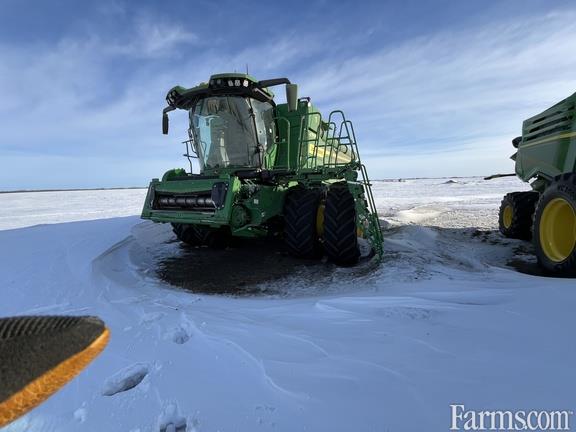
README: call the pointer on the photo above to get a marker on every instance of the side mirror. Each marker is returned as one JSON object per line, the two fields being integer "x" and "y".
{"x": 292, "y": 96}
{"x": 165, "y": 123}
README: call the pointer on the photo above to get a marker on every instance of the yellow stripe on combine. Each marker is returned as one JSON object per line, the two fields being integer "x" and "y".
{"x": 555, "y": 137}
{"x": 321, "y": 153}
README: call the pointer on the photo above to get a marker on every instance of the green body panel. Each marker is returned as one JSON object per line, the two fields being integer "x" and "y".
{"x": 307, "y": 150}
{"x": 260, "y": 204}
{"x": 307, "y": 143}
{"x": 219, "y": 218}
{"x": 548, "y": 145}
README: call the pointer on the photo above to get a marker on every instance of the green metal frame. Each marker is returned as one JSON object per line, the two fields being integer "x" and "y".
{"x": 548, "y": 145}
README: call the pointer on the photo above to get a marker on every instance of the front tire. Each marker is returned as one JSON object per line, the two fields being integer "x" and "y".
{"x": 300, "y": 216}
{"x": 555, "y": 227}
{"x": 340, "y": 233}
{"x": 516, "y": 214}
{"x": 195, "y": 235}
{"x": 192, "y": 235}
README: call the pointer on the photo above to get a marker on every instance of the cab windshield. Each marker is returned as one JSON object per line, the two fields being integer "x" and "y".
{"x": 231, "y": 131}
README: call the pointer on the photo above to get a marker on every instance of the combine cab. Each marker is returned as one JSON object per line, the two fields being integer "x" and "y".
{"x": 546, "y": 155}
{"x": 266, "y": 170}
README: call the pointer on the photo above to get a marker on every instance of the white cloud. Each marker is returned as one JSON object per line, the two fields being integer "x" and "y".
{"x": 452, "y": 91}
{"x": 154, "y": 39}
{"x": 447, "y": 104}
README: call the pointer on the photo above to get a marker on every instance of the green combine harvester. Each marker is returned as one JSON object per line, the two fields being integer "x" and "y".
{"x": 266, "y": 170}
{"x": 547, "y": 155}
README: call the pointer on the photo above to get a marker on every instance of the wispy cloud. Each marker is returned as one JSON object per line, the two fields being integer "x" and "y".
{"x": 152, "y": 38}
{"x": 447, "y": 103}
{"x": 464, "y": 92}
{"x": 486, "y": 76}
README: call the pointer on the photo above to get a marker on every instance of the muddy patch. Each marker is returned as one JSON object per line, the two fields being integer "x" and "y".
{"x": 525, "y": 261}
{"x": 527, "y": 267}
{"x": 247, "y": 268}
{"x": 523, "y": 258}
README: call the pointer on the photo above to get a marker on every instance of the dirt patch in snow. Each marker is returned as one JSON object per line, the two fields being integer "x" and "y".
{"x": 247, "y": 268}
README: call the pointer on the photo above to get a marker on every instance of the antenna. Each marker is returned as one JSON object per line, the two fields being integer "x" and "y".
{"x": 247, "y": 69}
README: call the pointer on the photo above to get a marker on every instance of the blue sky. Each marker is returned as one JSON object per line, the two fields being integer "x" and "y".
{"x": 435, "y": 88}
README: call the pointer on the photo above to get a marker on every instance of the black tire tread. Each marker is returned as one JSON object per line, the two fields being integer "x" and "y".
{"x": 300, "y": 212}
{"x": 563, "y": 186}
{"x": 523, "y": 207}
{"x": 340, "y": 234}
{"x": 190, "y": 234}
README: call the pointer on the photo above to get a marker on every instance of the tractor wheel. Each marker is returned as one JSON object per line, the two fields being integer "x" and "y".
{"x": 555, "y": 227}
{"x": 192, "y": 235}
{"x": 340, "y": 233}
{"x": 300, "y": 217}
{"x": 516, "y": 214}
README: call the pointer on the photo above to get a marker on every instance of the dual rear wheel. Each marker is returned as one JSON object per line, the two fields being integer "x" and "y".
{"x": 316, "y": 222}
{"x": 516, "y": 213}
{"x": 549, "y": 219}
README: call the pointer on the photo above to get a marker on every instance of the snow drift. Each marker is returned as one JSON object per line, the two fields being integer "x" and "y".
{"x": 442, "y": 320}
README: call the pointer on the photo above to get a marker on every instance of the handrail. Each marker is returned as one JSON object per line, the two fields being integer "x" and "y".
{"x": 194, "y": 155}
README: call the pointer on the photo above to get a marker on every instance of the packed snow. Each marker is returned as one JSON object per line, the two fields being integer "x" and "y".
{"x": 453, "y": 314}
{"x": 21, "y": 209}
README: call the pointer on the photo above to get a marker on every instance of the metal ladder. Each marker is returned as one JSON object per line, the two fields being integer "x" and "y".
{"x": 342, "y": 140}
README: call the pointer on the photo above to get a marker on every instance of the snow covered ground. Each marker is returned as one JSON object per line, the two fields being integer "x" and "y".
{"x": 442, "y": 320}
{"x": 26, "y": 209}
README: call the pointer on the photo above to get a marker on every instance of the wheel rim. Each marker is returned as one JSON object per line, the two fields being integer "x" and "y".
{"x": 507, "y": 216}
{"x": 558, "y": 230}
